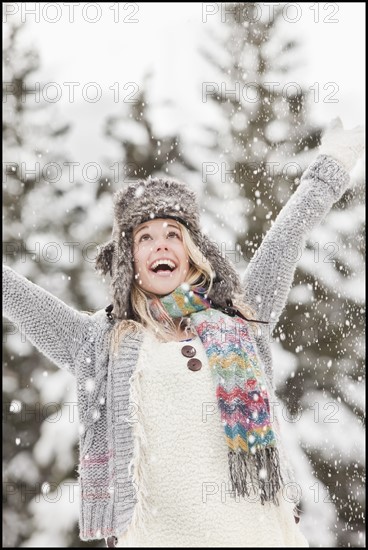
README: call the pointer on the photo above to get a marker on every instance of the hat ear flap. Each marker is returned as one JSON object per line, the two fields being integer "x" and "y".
{"x": 122, "y": 280}
{"x": 227, "y": 280}
{"x": 104, "y": 258}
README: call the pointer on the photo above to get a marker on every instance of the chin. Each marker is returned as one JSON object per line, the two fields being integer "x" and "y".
{"x": 164, "y": 288}
{"x": 162, "y": 291}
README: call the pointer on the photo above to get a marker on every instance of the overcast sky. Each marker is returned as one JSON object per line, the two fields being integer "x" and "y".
{"x": 127, "y": 39}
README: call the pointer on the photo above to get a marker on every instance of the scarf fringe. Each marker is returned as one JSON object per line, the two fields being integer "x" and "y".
{"x": 256, "y": 474}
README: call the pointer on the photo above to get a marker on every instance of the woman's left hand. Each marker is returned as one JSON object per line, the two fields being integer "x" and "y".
{"x": 346, "y": 146}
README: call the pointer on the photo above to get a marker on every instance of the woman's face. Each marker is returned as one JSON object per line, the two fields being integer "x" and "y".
{"x": 159, "y": 239}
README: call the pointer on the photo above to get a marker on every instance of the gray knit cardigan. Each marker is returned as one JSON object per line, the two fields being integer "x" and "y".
{"x": 79, "y": 343}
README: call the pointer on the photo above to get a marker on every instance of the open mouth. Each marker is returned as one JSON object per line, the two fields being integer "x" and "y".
{"x": 163, "y": 267}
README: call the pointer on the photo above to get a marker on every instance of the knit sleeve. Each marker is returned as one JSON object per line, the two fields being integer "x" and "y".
{"x": 53, "y": 327}
{"x": 269, "y": 275}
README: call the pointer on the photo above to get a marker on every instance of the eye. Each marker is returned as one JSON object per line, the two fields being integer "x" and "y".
{"x": 174, "y": 233}
{"x": 144, "y": 236}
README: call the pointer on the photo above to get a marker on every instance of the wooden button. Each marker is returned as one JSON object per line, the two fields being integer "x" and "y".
{"x": 194, "y": 364}
{"x": 188, "y": 351}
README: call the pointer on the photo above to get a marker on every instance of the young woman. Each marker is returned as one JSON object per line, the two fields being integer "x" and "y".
{"x": 180, "y": 443}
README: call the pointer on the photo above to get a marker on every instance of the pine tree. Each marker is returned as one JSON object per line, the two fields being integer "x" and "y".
{"x": 44, "y": 209}
{"x": 272, "y": 143}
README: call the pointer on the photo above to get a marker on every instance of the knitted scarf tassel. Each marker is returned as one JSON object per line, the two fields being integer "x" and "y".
{"x": 258, "y": 474}
{"x": 241, "y": 391}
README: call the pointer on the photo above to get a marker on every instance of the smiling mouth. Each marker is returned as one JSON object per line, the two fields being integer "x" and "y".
{"x": 163, "y": 271}
{"x": 163, "y": 267}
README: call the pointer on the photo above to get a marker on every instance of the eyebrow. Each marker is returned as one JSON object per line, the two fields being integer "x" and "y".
{"x": 146, "y": 227}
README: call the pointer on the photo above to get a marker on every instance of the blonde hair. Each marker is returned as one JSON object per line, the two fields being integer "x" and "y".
{"x": 201, "y": 274}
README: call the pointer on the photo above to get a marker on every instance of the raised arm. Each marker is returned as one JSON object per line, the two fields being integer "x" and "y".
{"x": 53, "y": 327}
{"x": 270, "y": 273}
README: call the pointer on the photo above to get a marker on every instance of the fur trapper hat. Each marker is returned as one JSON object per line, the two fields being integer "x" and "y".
{"x": 145, "y": 200}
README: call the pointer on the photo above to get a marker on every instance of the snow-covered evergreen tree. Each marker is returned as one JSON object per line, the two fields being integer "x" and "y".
{"x": 318, "y": 344}
{"x": 45, "y": 207}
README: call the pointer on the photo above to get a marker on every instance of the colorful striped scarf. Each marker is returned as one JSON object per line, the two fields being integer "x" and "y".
{"x": 241, "y": 392}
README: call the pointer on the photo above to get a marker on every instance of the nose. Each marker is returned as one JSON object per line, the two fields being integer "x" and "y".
{"x": 161, "y": 244}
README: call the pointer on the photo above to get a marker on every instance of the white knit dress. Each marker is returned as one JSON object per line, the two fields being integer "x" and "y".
{"x": 180, "y": 463}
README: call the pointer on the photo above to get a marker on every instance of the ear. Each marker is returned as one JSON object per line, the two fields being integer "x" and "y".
{"x": 104, "y": 258}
